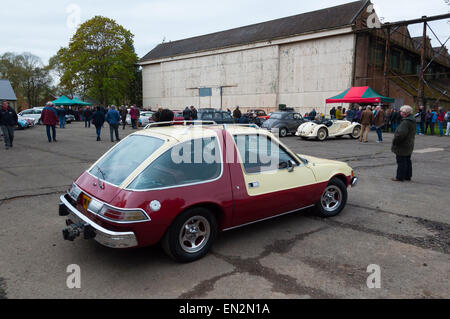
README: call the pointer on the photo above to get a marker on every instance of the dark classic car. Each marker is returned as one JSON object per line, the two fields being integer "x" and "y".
{"x": 283, "y": 123}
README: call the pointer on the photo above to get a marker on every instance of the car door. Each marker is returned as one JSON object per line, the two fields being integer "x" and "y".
{"x": 261, "y": 187}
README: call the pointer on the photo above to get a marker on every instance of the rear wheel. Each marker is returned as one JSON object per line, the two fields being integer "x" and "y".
{"x": 191, "y": 235}
{"x": 333, "y": 199}
{"x": 283, "y": 132}
{"x": 322, "y": 134}
{"x": 356, "y": 132}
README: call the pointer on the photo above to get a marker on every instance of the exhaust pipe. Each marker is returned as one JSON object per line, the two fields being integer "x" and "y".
{"x": 74, "y": 231}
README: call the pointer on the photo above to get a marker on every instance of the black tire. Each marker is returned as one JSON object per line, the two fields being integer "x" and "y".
{"x": 333, "y": 199}
{"x": 178, "y": 250}
{"x": 322, "y": 134}
{"x": 356, "y": 132}
{"x": 283, "y": 132}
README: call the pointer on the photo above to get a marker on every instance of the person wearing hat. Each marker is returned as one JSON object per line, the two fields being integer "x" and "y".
{"x": 49, "y": 117}
{"x": 8, "y": 119}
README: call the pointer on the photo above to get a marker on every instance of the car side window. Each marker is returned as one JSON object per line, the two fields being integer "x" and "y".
{"x": 207, "y": 116}
{"x": 191, "y": 162}
{"x": 260, "y": 154}
{"x": 227, "y": 116}
{"x": 297, "y": 116}
{"x": 217, "y": 116}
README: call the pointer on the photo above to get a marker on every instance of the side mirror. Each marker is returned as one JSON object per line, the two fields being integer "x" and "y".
{"x": 291, "y": 166}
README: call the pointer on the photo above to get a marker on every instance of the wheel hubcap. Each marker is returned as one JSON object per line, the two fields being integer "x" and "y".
{"x": 194, "y": 234}
{"x": 331, "y": 198}
{"x": 322, "y": 135}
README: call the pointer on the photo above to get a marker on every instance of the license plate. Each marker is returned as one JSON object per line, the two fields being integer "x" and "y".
{"x": 85, "y": 200}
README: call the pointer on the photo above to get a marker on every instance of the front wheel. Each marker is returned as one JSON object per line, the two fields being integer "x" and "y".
{"x": 191, "y": 235}
{"x": 333, "y": 199}
{"x": 322, "y": 134}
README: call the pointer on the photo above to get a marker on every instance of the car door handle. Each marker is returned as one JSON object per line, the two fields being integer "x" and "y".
{"x": 254, "y": 185}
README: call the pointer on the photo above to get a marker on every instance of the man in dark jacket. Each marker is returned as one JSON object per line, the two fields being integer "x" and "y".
{"x": 113, "y": 119}
{"x": 123, "y": 116}
{"x": 98, "y": 119}
{"x": 237, "y": 115}
{"x": 62, "y": 117}
{"x": 366, "y": 123}
{"x": 8, "y": 119}
{"x": 187, "y": 114}
{"x": 87, "y": 117}
{"x": 403, "y": 144}
{"x": 49, "y": 117}
{"x": 194, "y": 113}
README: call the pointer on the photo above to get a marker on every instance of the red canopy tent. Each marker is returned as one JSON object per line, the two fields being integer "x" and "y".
{"x": 362, "y": 95}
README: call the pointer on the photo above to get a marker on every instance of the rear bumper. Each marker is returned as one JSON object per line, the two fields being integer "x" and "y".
{"x": 101, "y": 235}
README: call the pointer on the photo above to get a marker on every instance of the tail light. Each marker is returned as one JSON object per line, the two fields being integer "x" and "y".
{"x": 119, "y": 215}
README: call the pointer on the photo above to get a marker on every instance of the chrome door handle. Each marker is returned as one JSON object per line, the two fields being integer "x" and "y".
{"x": 254, "y": 185}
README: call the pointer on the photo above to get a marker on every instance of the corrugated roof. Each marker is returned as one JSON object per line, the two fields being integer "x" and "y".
{"x": 6, "y": 91}
{"x": 330, "y": 18}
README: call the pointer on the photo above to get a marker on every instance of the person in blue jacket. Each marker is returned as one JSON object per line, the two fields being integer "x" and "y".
{"x": 113, "y": 119}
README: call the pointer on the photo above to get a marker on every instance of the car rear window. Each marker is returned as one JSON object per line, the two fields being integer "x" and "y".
{"x": 192, "y": 162}
{"x": 121, "y": 161}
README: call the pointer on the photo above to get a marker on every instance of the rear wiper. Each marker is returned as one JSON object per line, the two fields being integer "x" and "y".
{"x": 100, "y": 184}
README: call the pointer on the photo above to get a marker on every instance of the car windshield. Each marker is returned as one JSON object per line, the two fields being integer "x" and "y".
{"x": 120, "y": 162}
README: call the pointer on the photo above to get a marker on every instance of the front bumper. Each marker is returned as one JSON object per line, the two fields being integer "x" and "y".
{"x": 354, "y": 181}
{"x": 82, "y": 224}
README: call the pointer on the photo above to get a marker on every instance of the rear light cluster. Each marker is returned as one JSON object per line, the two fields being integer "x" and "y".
{"x": 105, "y": 211}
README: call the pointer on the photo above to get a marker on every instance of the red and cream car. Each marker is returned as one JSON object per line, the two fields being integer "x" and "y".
{"x": 182, "y": 185}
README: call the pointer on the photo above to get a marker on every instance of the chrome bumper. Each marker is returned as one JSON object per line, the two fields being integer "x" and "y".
{"x": 354, "y": 181}
{"x": 103, "y": 236}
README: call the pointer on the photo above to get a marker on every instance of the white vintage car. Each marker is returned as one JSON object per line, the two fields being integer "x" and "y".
{"x": 323, "y": 129}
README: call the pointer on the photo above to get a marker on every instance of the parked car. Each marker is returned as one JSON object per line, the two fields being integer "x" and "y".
{"x": 22, "y": 123}
{"x": 323, "y": 129}
{"x": 128, "y": 120}
{"x": 181, "y": 185}
{"x": 220, "y": 117}
{"x": 34, "y": 113}
{"x": 261, "y": 114}
{"x": 283, "y": 123}
{"x": 70, "y": 118}
{"x": 146, "y": 117}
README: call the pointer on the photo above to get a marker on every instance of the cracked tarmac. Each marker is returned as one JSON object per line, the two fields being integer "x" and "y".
{"x": 403, "y": 228}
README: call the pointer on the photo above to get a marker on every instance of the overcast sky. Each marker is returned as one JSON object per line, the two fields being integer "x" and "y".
{"x": 42, "y": 27}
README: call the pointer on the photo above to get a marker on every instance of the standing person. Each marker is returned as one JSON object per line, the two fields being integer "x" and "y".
{"x": 8, "y": 119}
{"x": 98, "y": 119}
{"x": 403, "y": 144}
{"x": 339, "y": 113}
{"x": 447, "y": 118}
{"x": 62, "y": 117}
{"x": 351, "y": 114}
{"x": 422, "y": 119}
{"x": 428, "y": 117}
{"x": 366, "y": 123}
{"x": 333, "y": 113}
{"x": 123, "y": 116}
{"x": 194, "y": 113}
{"x": 312, "y": 115}
{"x": 138, "y": 116}
{"x": 87, "y": 117}
{"x": 440, "y": 121}
{"x": 237, "y": 114}
{"x": 395, "y": 120}
{"x": 113, "y": 118}
{"x": 187, "y": 114}
{"x": 379, "y": 123}
{"x": 49, "y": 118}
{"x": 157, "y": 115}
{"x": 133, "y": 116}
{"x": 434, "y": 118}
{"x": 387, "y": 119}
{"x": 358, "y": 115}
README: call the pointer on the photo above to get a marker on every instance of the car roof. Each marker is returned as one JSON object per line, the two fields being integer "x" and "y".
{"x": 180, "y": 133}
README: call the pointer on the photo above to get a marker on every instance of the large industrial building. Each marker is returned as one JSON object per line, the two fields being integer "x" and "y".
{"x": 298, "y": 61}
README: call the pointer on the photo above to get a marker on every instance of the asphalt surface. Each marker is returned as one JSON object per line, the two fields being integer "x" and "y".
{"x": 404, "y": 228}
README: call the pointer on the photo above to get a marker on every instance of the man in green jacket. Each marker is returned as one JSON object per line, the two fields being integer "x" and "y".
{"x": 403, "y": 144}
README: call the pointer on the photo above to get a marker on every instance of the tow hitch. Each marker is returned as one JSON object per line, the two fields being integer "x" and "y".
{"x": 75, "y": 230}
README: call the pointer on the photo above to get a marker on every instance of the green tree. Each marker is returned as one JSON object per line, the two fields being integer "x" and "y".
{"x": 29, "y": 78}
{"x": 99, "y": 61}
